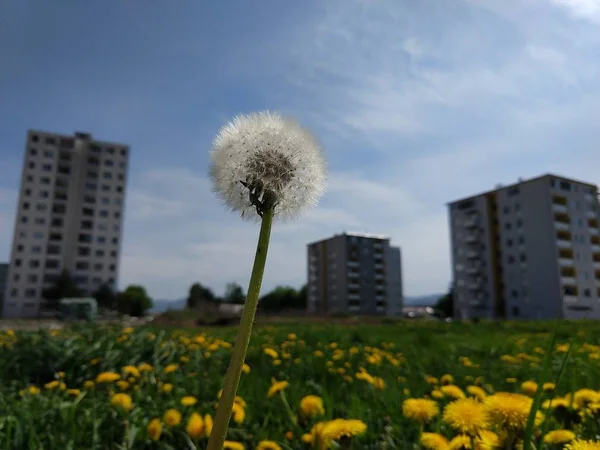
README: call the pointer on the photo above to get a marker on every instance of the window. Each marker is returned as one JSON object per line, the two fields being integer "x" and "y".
{"x": 53, "y": 249}
{"x": 83, "y": 237}
{"x": 514, "y": 293}
{"x": 83, "y": 251}
{"x": 89, "y": 199}
{"x": 509, "y": 242}
{"x": 64, "y": 169}
{"x": 87, "y": 224}
{"x": 507, "y": 226}
{"x": 519, "y": 223}
{"x": 32, "y": 278}
{"x": 577, "y": 204}
{"x": 20, "y": 248}
{"x": 57, "y": 222}
{"x": 50, "y": 278}
{"x": 82, "y": 265}
{"x": 517, "y": 207}
{"x": 104, "y": 213}
{"x": 36, "y": 249}
{"x": 42, "y": 207}
{"x": 512, "y": 191}
{"x": 24, "y": 219}
{"x": 565, "y": 185}
{"x": 107, "y": 176}
{"x": 511, "y": 259}
{"x": 26, "y": 206}
{"x": 109, "y": 162}
{"x": 31, "y": 165}
{"x": 110, "y": 150}
{"x": 113, "y": 253}
{"x": 506, "y": 209}
{"x": 112, "y": 267}
{"x": 118, "y": 215}
{"x": 105, "y": 187}
{"x": 18, "y": 262}
{"x": 100, "y": 239}
{"x": 40, "y": 221}
{"x": 91, "y": 186}
{"x": 34, "y": 264}
{"x": 119, "y": 188}
{"x": 59, "y": 208}
{"x": 14, "y": 292}
{"x": 93, "y": 160}
{"x": 45, "y": 180}
{"x": 118, "y": 201}
{"x": 99, "y": 252}
{"x": 116, "y": 228}
{"x": 50, "y": 141}
{"x": 587, "y": 293}
{"x": 48, "y": 154}
{"x": 47, "y": 167}
{"x": 88, "y": 212}
{"x": 105, "y": 200}
{"x": 115, "y": 240}
{"x": 120, "y": 177}
{"x": 521, "y": 240}
{"x": 523, "y": 257}
{"x": 123, "y": 152}
{"x": 29, "y": 293}
{"x": 35, "y": 138}
{"x": 52, "y": 264}
{"x": 44, "y": 194}
{"x": 93, "y": 175}
{"x": 38, "y": 235}
{"x": 27, "y": 192}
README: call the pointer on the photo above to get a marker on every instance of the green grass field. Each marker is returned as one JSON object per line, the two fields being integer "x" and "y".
{"x": 52, "y": 398}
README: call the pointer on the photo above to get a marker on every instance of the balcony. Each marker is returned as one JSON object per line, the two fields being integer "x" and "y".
{"x": 569, "y": 299}
{"x": 559, "y": 208}
{"x": 565, "y": 262}
{"x": 562, "y": 243}
{"x": 596, "y": 264}
{"x": 353, "y": 275}
{"x": 472, "y": 254}
{"x": 595, "y": 248}
{"x": 567, "y": 281}
{"x": 353, "y": 286}
{"x": 352, "y": 263}
{"x": 594, "y": 231}
{"x": 471, "y": 238}
{"x": 591, "y": 214}
{"x": 563, "y": 226}
{"x": 379, "y": 276}
{"x": 353, "y": 297}
{"x": 473, "y": 269}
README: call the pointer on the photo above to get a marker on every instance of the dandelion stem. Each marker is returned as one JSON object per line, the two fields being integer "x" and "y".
{"x": 232, "y": 377}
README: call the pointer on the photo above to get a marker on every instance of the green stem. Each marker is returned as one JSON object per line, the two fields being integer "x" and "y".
{"x": 288, "y": 408}
{"x": 232, "y": 377}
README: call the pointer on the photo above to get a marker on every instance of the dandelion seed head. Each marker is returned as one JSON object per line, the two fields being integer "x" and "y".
{"x": 264, "y": 158}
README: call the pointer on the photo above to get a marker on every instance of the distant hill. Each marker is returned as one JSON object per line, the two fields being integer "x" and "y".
{"x": 165, "y": 305}
{"x": 422, "y": 300}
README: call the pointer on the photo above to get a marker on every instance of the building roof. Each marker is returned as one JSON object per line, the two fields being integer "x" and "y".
{"x": 520, "y": 182}
{"x": 346, "y": 233}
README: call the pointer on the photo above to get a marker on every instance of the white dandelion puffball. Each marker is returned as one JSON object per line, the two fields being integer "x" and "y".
{"x": 263, "y": 160}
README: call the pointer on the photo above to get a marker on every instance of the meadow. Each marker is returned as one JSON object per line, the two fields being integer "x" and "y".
{"x": 401, "y": 385}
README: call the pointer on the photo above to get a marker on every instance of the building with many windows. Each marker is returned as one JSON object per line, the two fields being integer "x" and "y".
{"x": 355, "y": 274}
{"x": 69, "y": 217}
{"x": 529, "y": 250}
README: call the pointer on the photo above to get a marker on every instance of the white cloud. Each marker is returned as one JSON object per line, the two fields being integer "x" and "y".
{"x": 586, "y": 9}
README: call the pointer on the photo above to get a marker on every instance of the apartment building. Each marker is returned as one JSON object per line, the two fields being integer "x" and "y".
{"x": 69, "y": 217}
{"x": 356, "y": 274}
{"x": 3, "y": 278}
{"x": 530, "y": 250}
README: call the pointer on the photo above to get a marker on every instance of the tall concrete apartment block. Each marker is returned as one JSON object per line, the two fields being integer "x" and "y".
{"x": 356, "y": 274}
{"x": 69, "y": 216}
{"x": 530, "y": 250}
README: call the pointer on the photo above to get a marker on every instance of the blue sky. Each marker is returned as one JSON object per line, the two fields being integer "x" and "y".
{"x": 415, "y": 103}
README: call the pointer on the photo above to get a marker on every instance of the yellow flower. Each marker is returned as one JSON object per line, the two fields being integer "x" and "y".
{"x": 548, "y": 387}
{"x": 270, "y": 352}
{"x": 238, "y": 413}
{"x": 447, "y": 379}
{"x": 460, "y": 442}
{"x": 477, "y": 392}
{"x": 61, "y": 375}
{"x": 312, "y": 406}
{"x": 188, "y": 400}
{"x": 559, "y": 437}
{"x": 89, "y": 384}
{"x": 487, "y": 440}
{"x": 172, "y": 417}
{"x": 529, "y": 387}
{"x": 584, "y": 396}
{"x": 34, "y": 390}
{"x": 52, "y": 385}
{"x": 144, "y": 367}
{"x": 167, "y": 387}
{"x": 511, "y": 410}
{"x": 107, "y": 377}
{"x": 277, "y": 387}
{"x": 434, "y": 441}
{"x": 318, "y": 354}
{"x": 73, "y": 392}
{"x": 208, "y": 424}
{"x": 580, "y": 444}
{"x": 268, "y": 445}
{"x": 233, "y": 445}
{"x": 436, "y": 393}
{"x": 511, "y": 380}
{"x": 452, "y": 391}
{"x": 122, "y": 384}
{"x": 339, "y": 428}
{"x": 292, "y": 336}
{"x": 131, "y": 370}
{"x": 467, "y": 416}
{"x": 170, "y": 368}
{"x": 122, "y": 401}
{"x": 195, "y": 426}
{"x": 154, "y": 429}
{"x": 246, "y": 368}
{"x": 431, "y": 380}
{"x": 420, "y": 409}
{"x": 289, "y": 435}
{"x": 127, "y": 330}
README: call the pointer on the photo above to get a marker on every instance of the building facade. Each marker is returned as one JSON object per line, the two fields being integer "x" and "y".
{"x": 69, "y": 217}
{"x": 3, "y": 278}
{"x": 530, "y": 250}
{"x": 355, "y": 274}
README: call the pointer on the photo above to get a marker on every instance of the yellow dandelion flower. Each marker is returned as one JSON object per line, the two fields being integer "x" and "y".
{"x": 277, "y": 387}
{"x": 171, "y": 368}
{"x": 431, "y": 380}
{"x": 289, "y": 435}
{"x": 511, "y": 380}
{"x": 145, "y": 367}
{"x": 336, "y": 429}
{"x": 436, "y": 393}
{"x": 580, "y": 444}
{"x": 172, "y": 417}
{"x": 208, "y": 424}
{"x": 433, "y": 441}
{"x": 33, "y": 390}
{"x": 548, "y": 387}
{"x": 477, "y": 392}
{"x": 233, "y": 445}
{"x": 268, "y": 445}
{"x": 127, "y": 330}
{"x": 487, "y": 440}
{"x": 246, "y": 368}
{"x": 529, "y": 387}
{"x": 61, "y": 375}
{"x": 122, "y": 401}
{"x": 312, "y": 406}
{"x": 557, "y": 402}
{"x": 107, "y": 377}
{"x": 460, "y": 442}
{"x": 189, "y": 400}
{"x": 308, "y": 438}
{"x": 167, "y": 387}
{"x": 122, "y": 384}
{"x": 452, "y": 391}
{"x": 559, "y": 437}
{"x": 584, "y": 396}
{"x": 447, "y": 379}
{"x": 510, "y": 410}
{"x": 52, "y": 385}
{"x": 195, "y": 426}
{"x": 73, "y": 392}
{"x": 238, "y": 413}
{"x": 89, "y": 384}
{"x": 420, "y": 409}
{"x": 270, "y": 352}
{"x": 467, "y": 416}
{"x": 154, "y": 429}
{"x": 318, "y": 354}
{"x": 131, "y": 370}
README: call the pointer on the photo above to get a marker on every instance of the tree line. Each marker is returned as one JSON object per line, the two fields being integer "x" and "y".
{"x": 134, "y": 300}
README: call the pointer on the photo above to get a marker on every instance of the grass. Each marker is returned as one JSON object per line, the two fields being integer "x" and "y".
{"x": 320, "y": 360}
